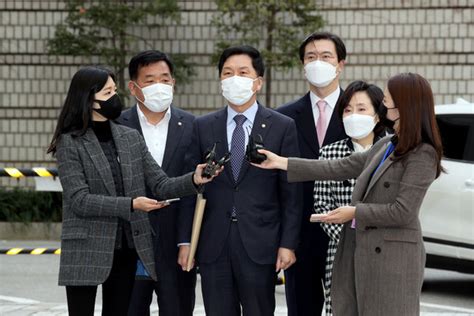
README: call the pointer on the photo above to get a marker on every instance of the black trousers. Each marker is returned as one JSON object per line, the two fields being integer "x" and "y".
{"x": 175, "y": 291}
{"x": 304, "y": 281}
{"x": 116, "y": 290}
{"x": 234, "y": 282}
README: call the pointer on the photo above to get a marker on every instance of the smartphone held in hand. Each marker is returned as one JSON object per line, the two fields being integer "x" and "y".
{"x": 170, "y": 200}
{"x": 316, "y": 218}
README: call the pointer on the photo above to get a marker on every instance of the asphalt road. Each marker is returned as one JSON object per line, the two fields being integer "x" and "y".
{"x": 28, "y": 286}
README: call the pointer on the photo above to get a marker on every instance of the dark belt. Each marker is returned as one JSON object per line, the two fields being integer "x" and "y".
{"x": 233, "y": 219}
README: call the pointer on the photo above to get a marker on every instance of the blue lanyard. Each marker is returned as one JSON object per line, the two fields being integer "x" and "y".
{"x": 390, "y": 149}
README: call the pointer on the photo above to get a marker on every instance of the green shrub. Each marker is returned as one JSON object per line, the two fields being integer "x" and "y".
{"x": 30, "y": 206}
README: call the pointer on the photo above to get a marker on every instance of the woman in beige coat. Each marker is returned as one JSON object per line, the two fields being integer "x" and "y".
{"x": 379, "y": 264}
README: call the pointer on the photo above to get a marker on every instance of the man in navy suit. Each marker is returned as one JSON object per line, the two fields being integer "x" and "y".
{"x": 167, "y": 132}
{"x": 251, "y": 221}
{"x": 323, "y": 57}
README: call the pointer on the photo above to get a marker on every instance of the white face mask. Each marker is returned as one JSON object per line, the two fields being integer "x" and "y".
{"x": 158, "y": 96}
{"x": 320, "y": 73}
{"x": 237, "y": 90}
{"x": 358, "y": 126}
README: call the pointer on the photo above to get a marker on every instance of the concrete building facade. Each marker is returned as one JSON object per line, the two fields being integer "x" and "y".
{"x": 431, "y": 37}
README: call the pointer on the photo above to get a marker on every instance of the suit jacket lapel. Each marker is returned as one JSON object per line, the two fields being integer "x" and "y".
{"x": 219, "y": 128}
{"x": 132, "y": 119}
{"x": 335, "y": 126}
{"x": 261, "y": 126}
{"x": 366, "y": 180}
{"x": 386, "y": 164}
{"x": 305, "y": 123}
{"x": 122, "y": 146}
{"x": 96, "y": 154}
{"x": 175, "y": 132}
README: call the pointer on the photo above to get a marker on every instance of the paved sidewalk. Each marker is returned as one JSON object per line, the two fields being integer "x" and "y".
{"x": 28, "y": 287}
{"x": 51, "y": 309}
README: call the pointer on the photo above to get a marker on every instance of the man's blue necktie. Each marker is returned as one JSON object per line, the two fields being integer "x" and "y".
{"x": 237, "y": 146}
{"x": 237, "y": 150}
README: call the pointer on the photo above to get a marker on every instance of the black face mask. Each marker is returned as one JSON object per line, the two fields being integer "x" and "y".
{"x": 385, "y": 121}
{"x": 110, "y": 108}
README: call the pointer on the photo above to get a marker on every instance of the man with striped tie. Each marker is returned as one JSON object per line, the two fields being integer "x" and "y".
{"x": 251, "y": 220}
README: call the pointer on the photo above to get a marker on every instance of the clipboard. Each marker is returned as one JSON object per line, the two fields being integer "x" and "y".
{"x": 197, "y": 221}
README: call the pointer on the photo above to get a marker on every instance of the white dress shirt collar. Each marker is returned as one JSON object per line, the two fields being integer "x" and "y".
{"x": 331, "y": 99}
{"x": 155, "y": 135}
{"x": 249, "y": 114}
{"x": 143, "y": 119}
{"x": 358, "y": 148}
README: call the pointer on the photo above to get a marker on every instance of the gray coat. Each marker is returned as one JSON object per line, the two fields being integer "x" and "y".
{"x": 91, "y": 208}
{"x": 378, "y": 269}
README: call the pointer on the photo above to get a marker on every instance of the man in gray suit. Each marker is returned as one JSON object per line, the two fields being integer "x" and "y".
{"x": 167, "y": 132}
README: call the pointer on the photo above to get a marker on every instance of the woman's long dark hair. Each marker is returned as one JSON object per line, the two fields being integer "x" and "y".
{"x": 412, "y": 95}
{"x": 375, "y": 95}
{"x": 76, "y": 113}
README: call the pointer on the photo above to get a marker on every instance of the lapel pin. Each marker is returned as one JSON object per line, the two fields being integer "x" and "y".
{"x": 263, "y": 125}
{"x": 179, "y": 123}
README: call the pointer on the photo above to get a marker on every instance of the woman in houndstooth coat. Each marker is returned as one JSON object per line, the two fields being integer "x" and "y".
{"x": 365, "y": 101}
